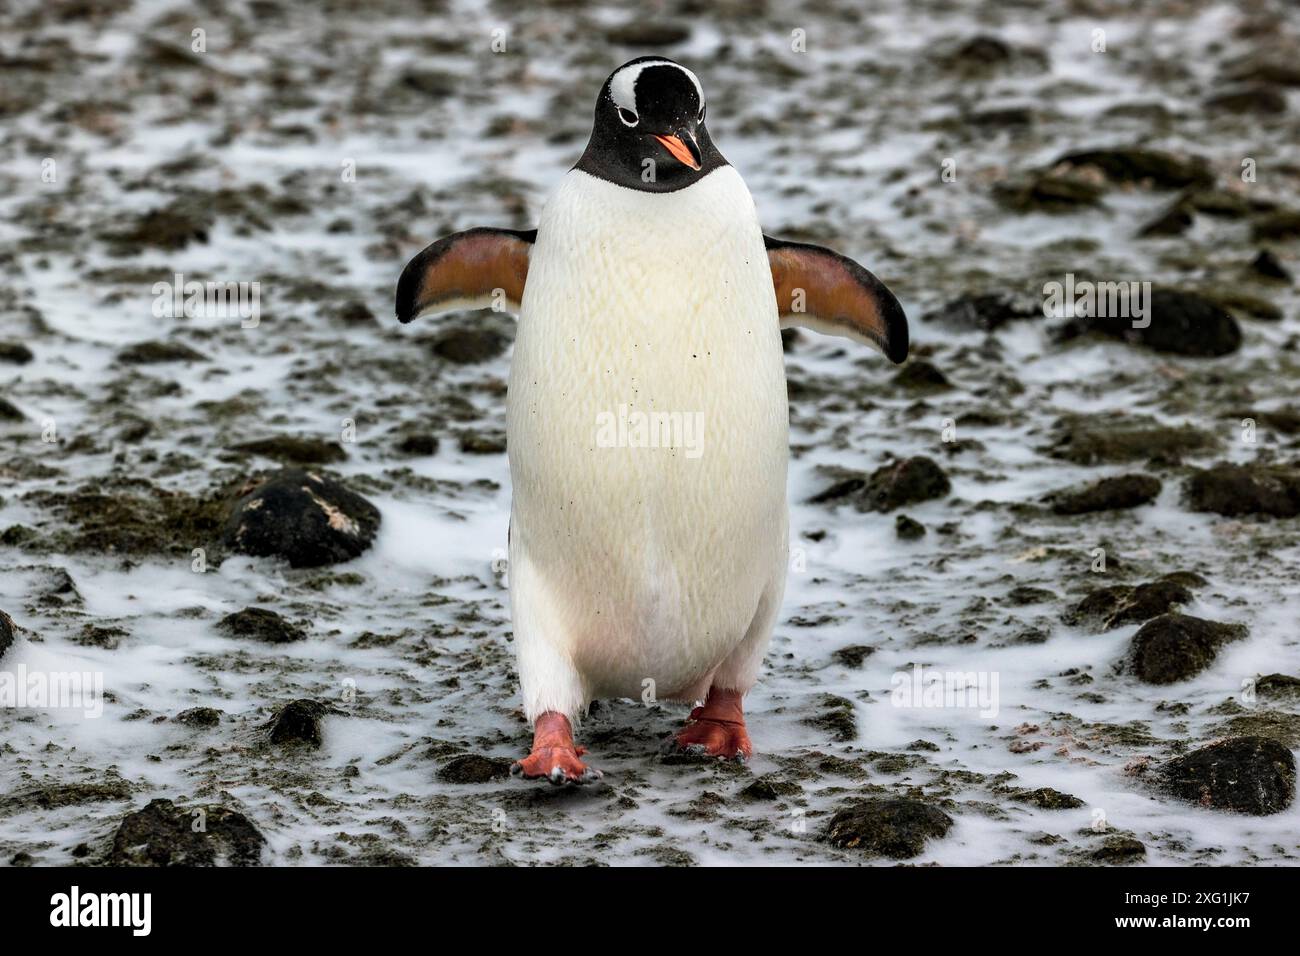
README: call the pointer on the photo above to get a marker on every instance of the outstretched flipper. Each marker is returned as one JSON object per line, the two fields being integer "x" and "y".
{"x": 479, "y": 268}
{"x": 830, "y": 293}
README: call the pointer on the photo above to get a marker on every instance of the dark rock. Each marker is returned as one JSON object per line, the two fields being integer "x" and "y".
{"x": 163, "y": 834}
{"x": 185, "y": 220}
{"x": 260, "y": 624}
{"x": 1282, "y": 686}
{"x": 292, "y": 450}
{"x": 473, "y": 768}
{"x": 918, "y": 375}
{"x": 836, "y": 717}
{"x": 1284, "y": 420}
{"x": 1266, "y": 264}
{"x": 1218, "y": 202}
{"x": 840, "y": 490}
{"x": 1228, "y": 489}
{"x": 298, "y": 722}
{"x": 483, "y": 443}
{"x": 1112, "y": 607}
{"x": 904, "y": 482}
{"x": 1142, "y": 166}
{"x": 1244, "y": 305}
{"x": 1252, "y": 775}
{"x": 62, "y": 795}
{"x": 1047, "y": 799}
{"x": 1174, "y": 221}
{"x": 353, "y": 312}
{"x": 1177, "y": 323}
{"x": 1102, "y": 439}
{"x": 1259, "y": 722}
{"x": 1022, "y": 594}
{"x": 984, "y": 313}
{"x": 303, "y": 517}
{"x": 6, "y": 632}
{"x": 648, "y": 34}
{"x": 1174, "y": 647}
{"x": 9, "y": 412}
{"x": 199, "y": 717}
{"x": 1255, "y": 100}
{"x": 434, "y": 84}
{"x": 983, "y": 54}
{"x": 469, "y": 345}
{"x": 1108, "y": 494}
{"x": 852, "y": 655}
{"x": 1047, "y": 191}
{"x": 1282, "y": 224}
{"x": 769, "y": 788}
{"x": 1005, "y": 117}
{"x": 896, "y": 828}
{"x": 97, "y": 635}
{"x": 908, "y": 529}
{"x": 1119, "y": 849}
{"x": 1187, "y": 579}
{"x": 143, "y": 520}
{"x": 1257, "y": 70}
{"x": 15, "y": 353}
{"x": 419, "y": 444}
{"x": 155, "y": 353}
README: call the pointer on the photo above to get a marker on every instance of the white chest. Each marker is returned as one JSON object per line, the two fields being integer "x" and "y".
{"x": 655, "y": 544}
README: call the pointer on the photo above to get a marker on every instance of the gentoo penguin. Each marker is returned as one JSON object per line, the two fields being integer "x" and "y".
{"x": 643, "y": 564}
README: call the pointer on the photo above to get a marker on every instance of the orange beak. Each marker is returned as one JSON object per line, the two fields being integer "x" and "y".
{"x": 679, "y": 150}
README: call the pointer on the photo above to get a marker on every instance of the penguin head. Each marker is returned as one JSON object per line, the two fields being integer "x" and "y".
{"x": 649, "y": 131}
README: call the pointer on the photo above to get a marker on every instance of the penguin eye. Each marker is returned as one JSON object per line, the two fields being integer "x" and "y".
{"x": 628, "y": 117}
{"x": 701, "y": 119}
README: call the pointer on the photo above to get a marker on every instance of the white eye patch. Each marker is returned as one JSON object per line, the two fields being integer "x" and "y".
{"x": 622, "y": 85}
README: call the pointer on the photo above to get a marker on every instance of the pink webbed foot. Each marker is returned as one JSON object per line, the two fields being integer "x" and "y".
{"x": 554, "y": 756}
{"x": 717, "y": 729}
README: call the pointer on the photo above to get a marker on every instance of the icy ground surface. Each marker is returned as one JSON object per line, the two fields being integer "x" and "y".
{"x": 840, "y": 145}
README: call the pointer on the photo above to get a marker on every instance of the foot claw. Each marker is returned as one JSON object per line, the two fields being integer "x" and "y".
{"x": 557, "y": 765}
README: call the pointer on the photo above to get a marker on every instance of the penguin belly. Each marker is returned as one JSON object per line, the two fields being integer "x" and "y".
{"x": 648, "y": 441}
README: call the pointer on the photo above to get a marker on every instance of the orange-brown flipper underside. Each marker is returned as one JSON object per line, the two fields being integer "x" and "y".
{"x": 830, "y": 293}
{"x": 475, "y": 269}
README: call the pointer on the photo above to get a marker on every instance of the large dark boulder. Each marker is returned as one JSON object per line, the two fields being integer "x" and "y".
{"x": 1110, "y": 607}
{"x": 1109, "y": 494}
{"x": 163, "y": 834}
{"x": 1176, "y": 322}
{"x": 1252, "y": 775}
{"x": 896, "y": 828}
{"x": 260, "y": 624}
{"x": 1174, "y": 647}
{"x": 903, "y": 483}
{"x": 298, "y": 722}
{"x": 303, "y": 517}
{"x": 1245, "y": 490}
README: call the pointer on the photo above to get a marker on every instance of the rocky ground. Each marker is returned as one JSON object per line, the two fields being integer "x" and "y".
{"x": 282, "y": 546}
